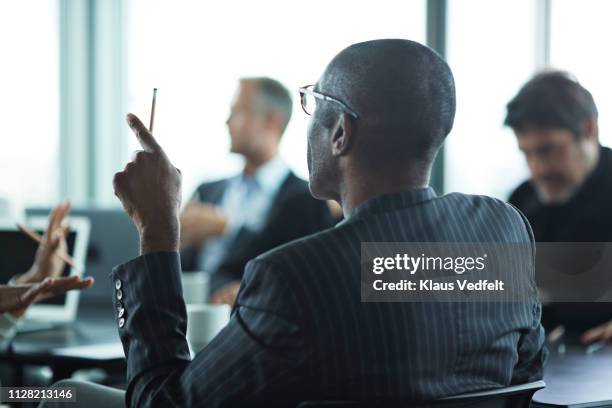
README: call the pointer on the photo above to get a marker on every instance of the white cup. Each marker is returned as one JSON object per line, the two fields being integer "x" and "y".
{"x": 195, "y": 287}
{"x": 204, "y": 322}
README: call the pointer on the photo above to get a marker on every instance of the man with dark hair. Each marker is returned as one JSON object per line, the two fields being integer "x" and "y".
{"x": 230, "y": 221}
{"x": 569, "y": 195}
{"x": 299, "y": 329}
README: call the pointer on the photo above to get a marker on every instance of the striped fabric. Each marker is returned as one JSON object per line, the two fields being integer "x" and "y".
{"x": 299, "y": 330}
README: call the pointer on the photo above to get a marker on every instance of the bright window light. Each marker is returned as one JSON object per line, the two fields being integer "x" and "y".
{"x": 491, "y": 49}
{"x": 195, "y": 51}
{"x": 29, "y": 101}
{"x": 580, "y": 37}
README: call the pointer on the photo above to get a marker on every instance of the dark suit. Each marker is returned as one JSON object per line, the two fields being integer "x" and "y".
{"x": 300, "y": 331}
{"x": 585, "y": 217}
{"x": 294, "y": 214}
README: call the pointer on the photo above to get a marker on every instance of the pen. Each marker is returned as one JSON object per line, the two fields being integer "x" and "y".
{"x": 38, "y": 238}
{"x": 153, "y": 110}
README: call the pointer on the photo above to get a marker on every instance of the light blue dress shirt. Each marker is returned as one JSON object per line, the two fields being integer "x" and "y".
{"x": 246, "y": 201}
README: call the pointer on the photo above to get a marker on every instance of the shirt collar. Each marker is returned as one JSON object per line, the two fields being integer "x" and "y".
{"x": 391, "y": 202}
{"x": 270, "y": 175}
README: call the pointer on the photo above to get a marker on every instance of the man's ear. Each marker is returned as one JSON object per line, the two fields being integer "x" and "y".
{"x": 275, "y": 120}
{"x": 590, "y": 129}
{"x": 342, "y": 135}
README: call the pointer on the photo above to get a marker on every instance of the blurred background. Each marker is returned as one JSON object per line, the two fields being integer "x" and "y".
{"x": 71, "y": 69}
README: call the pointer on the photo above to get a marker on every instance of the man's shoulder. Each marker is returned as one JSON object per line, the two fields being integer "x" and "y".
{"x": 606, "y": 166}
{"x": 459, "y": 200}
{"x": 211, "y": 187}
{"x": 304, "y": 248}
{"x": 294, "y": 193}
{"x": 493, "y": 214}
{"x": 213, "y": 183}
{"x": 294, "y": 185}
{"x": 521, "y": 194}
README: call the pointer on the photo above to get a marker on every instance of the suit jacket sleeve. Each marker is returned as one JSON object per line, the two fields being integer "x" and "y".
{"x": 257, "y": 356}
{"x": 531, "y": 350}
{"x": 189, "y": 255}
{"x": 211, "y": 193}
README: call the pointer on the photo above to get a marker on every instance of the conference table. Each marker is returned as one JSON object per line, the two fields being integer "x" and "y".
{"x": 575, "y": 378}
{"x": 92, "y": 341}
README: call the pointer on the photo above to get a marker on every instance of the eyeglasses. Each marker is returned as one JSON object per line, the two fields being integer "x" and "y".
{"x": 309, "y": 96}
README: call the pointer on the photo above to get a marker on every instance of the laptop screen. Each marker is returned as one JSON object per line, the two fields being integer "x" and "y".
{"x": 17, "y": 253}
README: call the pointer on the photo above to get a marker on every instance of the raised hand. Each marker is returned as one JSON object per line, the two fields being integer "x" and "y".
{"x": 150, "y": 190}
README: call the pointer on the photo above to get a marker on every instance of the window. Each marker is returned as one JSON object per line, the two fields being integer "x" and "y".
{"x": 580, "y": 33}
{"x": 491, "y": 50}
{"x": 195, "y": 51}
{"x": 29, "y": 101}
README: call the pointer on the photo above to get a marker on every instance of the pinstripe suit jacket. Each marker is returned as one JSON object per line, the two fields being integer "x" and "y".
{"x": 299, "y": 330}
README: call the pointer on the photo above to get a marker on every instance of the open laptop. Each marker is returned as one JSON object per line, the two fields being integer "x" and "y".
{"x": 17, "y": 252}
{"x": 113, "y": 241}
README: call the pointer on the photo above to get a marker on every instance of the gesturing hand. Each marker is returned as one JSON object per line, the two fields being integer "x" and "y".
{"x": 46, "y": 263}
{"x": 17, "y": 298}
{"x": 600, "y": 333}
{"x": 150, "y": 190}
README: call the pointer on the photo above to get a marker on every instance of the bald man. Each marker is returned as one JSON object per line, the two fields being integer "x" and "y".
{"x": 299, "y": 330}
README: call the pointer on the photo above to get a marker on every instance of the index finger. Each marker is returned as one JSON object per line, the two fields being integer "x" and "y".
{"x": 61, "y": 214}
{"x": 51, "y": 224}
{"x": 146, "y": 139}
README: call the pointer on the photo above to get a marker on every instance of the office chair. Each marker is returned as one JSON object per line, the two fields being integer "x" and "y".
{"x": 516, "y": 396}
